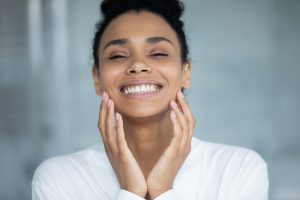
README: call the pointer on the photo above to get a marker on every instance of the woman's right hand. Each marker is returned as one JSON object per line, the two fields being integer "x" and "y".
{"x": 126, "y": 168}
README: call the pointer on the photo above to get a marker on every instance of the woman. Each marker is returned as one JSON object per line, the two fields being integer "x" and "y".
{"x": 141, "y": 68}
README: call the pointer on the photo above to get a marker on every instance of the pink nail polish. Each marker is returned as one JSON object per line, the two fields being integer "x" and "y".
{"x": 118, "y": 116}
{"x": 173, "y": 103}
{"x": 109, "y": 103}
{"x": 181, "y": 94}
{"x": 104, "y": 96}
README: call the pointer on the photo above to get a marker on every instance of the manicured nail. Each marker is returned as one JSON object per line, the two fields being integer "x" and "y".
{"x": 109, "y": 103}
{"x": 118, "y": 116}
{"x": 181, "y": 94}
{"x": 173, "y": 104}
{"x": 173, "y": 115}
{"x": 104, "y": 96}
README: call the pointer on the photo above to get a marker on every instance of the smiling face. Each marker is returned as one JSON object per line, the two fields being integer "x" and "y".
{"x": 140, "y": 64}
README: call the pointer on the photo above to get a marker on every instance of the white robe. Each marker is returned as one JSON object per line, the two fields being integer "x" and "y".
{"x": 210, "y": 172}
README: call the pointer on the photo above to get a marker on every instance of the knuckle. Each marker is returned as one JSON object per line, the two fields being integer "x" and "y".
{"x": 108, "y": 137}
{"x": 99, "y": 125}
{"x": 178, "y": 135}
{"x": 110, "y": 140}
{"x": 101, "y": 129}
{"x": 122, "y": 155}
{"x": 186, "y": 128}
{"x": 108, "y": 130}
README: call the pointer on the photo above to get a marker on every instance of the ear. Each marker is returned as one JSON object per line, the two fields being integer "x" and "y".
{"x": 186, "y": 74}
{"x": 97, "y": 82}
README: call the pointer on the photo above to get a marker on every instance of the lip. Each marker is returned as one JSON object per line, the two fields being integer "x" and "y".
{"x": 140, "y": 82}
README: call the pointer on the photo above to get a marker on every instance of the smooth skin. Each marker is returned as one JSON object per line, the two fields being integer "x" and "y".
{"x": 147, "y": 140}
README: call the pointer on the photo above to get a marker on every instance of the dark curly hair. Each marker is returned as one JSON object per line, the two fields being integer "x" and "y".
{"x": 170, "y": 10}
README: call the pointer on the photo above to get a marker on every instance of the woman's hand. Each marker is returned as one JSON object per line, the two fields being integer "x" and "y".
{"x": 164, "y": 172}
{"x": 128, "y": 172}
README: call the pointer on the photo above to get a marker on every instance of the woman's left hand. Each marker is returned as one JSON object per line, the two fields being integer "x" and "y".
{"x": 165, "y": 170}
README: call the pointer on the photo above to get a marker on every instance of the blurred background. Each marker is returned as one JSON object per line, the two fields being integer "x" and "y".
{"x": 245, "y": 86}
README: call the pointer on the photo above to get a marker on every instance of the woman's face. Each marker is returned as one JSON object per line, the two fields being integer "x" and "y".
{"x": 140, "y": 64}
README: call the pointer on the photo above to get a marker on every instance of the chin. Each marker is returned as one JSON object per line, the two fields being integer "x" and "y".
{"x": 144, "y": 113}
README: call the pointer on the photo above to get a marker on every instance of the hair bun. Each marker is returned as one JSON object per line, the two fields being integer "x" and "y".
{"x": 173, "y": 8}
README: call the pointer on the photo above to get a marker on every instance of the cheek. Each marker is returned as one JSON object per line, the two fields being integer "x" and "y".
{"x": 107, "y": 76}
{"x": 173, "y": 73}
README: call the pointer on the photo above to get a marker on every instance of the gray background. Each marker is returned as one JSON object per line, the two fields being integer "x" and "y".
{"x": 245, "y": 86}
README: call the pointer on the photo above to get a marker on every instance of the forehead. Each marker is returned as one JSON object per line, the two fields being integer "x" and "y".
{"x": 137, "y": 26}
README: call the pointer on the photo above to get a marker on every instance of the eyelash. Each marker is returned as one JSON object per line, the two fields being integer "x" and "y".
{"x": 117, "y": 57}
{"x": 159, "y": 55}
{"x": 120, "y": 57}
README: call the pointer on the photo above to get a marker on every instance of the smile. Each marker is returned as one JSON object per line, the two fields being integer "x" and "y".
{"x": 140, "y": 89}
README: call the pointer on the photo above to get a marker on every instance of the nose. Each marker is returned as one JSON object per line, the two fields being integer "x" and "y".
{"x": 138, "y": 67}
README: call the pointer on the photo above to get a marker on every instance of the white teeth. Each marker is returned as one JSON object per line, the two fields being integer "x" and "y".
{"x": 143, "y": 88}
{"x": 140, "y": 89}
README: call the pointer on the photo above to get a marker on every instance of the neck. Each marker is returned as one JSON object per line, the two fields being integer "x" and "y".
{"x": 148, "y": 139}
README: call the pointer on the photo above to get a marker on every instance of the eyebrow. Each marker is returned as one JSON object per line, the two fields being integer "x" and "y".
{"x": 151, "y": 40}
{"x": 154, "y": 40}
{"x": 118, "y": 42}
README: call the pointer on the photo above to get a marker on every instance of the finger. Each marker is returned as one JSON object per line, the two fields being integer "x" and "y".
{"x": 184, "y": 145}
{"x": 110, "y": 130}
{"x": 187, "y": 112}
{"x": 102, "y": 115}
{"x": 184, "y": 106}
{"x": 124, "y": 152}
{"x": 122, "y": 144}
{"x": 181, "y": 119}
{"x": 173, "y": 148}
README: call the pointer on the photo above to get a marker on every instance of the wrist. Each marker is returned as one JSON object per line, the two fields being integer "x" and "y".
{"x": 155, "y": 192}
{"x": 137, "y": 191}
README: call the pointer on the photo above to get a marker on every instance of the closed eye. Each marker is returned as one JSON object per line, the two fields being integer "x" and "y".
{"x": 117, "y": 57}
{"x": 159, "y": 54}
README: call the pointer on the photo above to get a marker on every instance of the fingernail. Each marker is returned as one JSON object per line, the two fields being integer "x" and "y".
{"x": 104, "y": 95}
{"x": 118, "y": 116}
{"x": 181, "y": 94}
{"x": 173, "y": 104}
{"x": 109, "y": 103}
{"x": 173, "y": 115}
